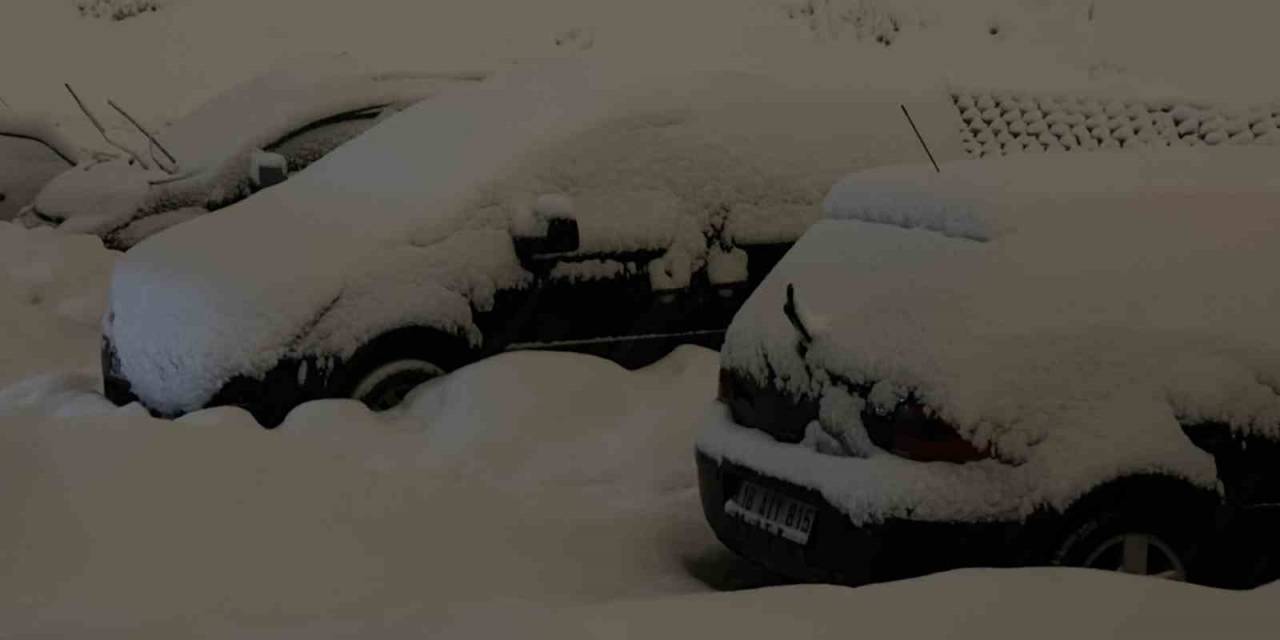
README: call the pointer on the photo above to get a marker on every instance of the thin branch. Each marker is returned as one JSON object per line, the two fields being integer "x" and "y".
{"x": 102, "y": 130}
{"x": 920, "y": 138}
{"x": 144, "y": 131}
{"x": 5, "y": 104}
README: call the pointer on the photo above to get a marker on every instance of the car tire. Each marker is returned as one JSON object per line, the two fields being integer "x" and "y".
{"x": 383, "y": 371}
{"x": 389, "y": 384}
{"x": 1149, "y": 525}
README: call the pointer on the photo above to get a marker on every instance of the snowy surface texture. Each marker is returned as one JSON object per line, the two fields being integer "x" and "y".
{"x": 215, "y": 144}
{"x": 118, "y": 9}
{"x": 1009, "y": 122}
{"x": 344, "y": 523}
{"x": 52, "y": 296}
{"x": 408, "y": 224}
{"x": 27, "y": 163}
{"x": 1044, "y": 45}
{"x": 1066, "y": 312}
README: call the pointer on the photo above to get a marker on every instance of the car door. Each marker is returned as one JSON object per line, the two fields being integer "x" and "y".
{"x": 612, "y": 305}
{"x": 26, "y": 165}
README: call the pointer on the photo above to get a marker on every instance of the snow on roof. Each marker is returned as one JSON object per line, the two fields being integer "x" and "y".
{"x": 1105, "y": 299}
{"x": 647, "y": 159}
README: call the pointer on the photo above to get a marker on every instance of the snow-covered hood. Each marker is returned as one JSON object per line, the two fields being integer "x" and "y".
{"x": 411, "y": 219}
{"x": 212, "y": 142}
{"x": 95, "y": 197}
{"x": 1067, "y": 311}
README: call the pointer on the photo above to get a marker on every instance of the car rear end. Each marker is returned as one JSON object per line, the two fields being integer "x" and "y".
{"x": 820, "y": 477}
{"x": 756, "y": 463}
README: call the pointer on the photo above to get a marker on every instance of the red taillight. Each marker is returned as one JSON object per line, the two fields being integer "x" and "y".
{"x": 912, "y": 433}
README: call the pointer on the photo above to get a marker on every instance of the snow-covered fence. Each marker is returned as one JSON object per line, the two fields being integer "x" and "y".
{"x": 118, "y": 9}
{"x": 1005, "y": 122}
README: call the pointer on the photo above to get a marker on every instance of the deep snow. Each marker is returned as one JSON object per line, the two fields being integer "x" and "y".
{"x": 221, "y": 523}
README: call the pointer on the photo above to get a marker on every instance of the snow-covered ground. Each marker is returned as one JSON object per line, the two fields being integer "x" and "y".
{"x": 531, "y": 495}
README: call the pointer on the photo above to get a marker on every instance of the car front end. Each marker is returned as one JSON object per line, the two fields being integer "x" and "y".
{"x": 95, "y": 197}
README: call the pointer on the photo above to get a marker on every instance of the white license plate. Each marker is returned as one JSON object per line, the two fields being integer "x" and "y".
{"x": 773, "y": 512}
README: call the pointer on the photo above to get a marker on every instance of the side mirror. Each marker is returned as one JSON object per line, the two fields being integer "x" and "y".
{"x": 267, "y": 169}
{"x": 549, "y": 228}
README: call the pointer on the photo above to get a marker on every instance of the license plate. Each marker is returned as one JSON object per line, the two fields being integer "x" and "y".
{"x": 773, "y": 512}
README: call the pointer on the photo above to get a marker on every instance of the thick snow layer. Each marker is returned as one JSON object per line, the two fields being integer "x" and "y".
{"x": 39, "y": 127}
{"x": 409, "y": 223}
{"x": 962, "y": 605}
{"x": 881, "y": 485}
{"x": 215, "y": 145}
{"x": 534, "y": 495}
{"x": 1106, "y": 299}
{"x": 1078, "y": 43}
{"x": 1011, "y": 122}
{"x": 32, "y": 152}
{"x": 52, "y": 296}
{"x": 530, "y": 478}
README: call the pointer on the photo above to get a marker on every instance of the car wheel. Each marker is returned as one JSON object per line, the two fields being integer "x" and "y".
{"x": 383, "y": 371}
{"x": 387, "y": 386}
{"x": 1148, "y": 526}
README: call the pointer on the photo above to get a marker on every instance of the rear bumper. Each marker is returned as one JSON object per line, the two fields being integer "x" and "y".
{"x": 838, "y": 551}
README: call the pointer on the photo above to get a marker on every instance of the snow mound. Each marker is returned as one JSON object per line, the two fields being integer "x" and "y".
{"x": 360, "y": 518}
{"x": 973, "y": 604}
{"x": 53, "y": 292}
{"x": 1119, "y": 295}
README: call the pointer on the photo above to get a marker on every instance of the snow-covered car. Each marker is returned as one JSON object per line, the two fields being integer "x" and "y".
{"x": 32, "y": 152}
{"x": 1063, "y": 360}
{"x": 558, "y": 206}
{"x": 248, "y": 138}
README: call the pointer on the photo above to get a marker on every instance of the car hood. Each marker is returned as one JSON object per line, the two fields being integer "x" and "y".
{"x": 95, "y": 197}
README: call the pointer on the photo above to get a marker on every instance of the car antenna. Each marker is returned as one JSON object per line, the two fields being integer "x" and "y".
{"x": 101, "y": 130}
{"x": 793, "y": 315}
{"x": 920, "y": 137}
{"x": 146, "y": 133}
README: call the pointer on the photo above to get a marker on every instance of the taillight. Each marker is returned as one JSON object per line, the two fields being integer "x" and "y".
{"x": 911, "y": 432}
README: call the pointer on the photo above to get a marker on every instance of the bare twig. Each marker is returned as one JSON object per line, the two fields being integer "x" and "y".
{"x": 102, "y": 130}
{"x": 146, "y": 133}
{"x": 920, "y": 138}
{"x": 5, "y": 104}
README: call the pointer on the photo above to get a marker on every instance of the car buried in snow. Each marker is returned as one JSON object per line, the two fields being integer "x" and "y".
{"x": 246, "y": 139}
{"x": 556, "y": 206}
{"x": 1062, "y": 360}
{"x": 32, "y": 152}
